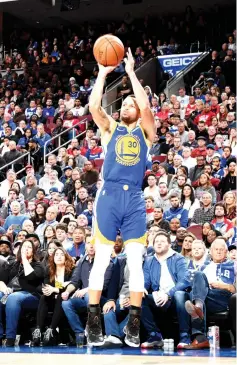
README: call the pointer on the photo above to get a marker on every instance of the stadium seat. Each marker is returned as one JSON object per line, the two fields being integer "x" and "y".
{"x": 196, "y": 230}
{"x": 98, "y": 162}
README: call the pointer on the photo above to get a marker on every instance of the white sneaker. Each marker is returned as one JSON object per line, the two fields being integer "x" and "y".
{"x": 113, "y": 341}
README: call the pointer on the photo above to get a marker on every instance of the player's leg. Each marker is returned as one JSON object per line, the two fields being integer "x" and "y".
{"x": 133, "y": 231}
{"x": 104, "y": 232}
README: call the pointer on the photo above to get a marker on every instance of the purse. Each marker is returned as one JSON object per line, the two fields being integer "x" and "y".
{"x": 14, "y": 284}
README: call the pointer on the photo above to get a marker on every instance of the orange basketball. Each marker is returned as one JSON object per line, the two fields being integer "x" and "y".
{"x": 108, "y": 50}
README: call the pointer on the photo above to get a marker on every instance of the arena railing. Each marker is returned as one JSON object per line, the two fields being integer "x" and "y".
{"x": 14, "y": 161}
{"x": 58, "y": 136}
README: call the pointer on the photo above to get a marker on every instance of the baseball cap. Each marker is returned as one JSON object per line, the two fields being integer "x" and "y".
{"x": 155, "y": 161}
{"x": 201, "y": 137}
{"x": 67, "y": 168}
{"x": 32, "y": 235}
{"x": 29, "y": 167}
{"x": 53, "y": 190}
{"x": 211, "y": 146}
{"x": 6, "y": 242}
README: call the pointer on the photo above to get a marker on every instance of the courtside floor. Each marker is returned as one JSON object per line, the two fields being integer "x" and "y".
{"x": 126, "y": 356}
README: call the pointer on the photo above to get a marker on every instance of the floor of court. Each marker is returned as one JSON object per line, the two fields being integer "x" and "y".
{"x": 126, "y": 356}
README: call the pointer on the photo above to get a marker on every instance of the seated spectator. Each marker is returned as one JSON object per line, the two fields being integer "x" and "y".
{"x": 192, "y": 143}
{"x": 49, "y": 110}
{"x": 177, "y": 244}
{"x": 176, "y": 210}
{"x": 30, "y": 190}
{"x": 188, "y": 200}
{"x": 42, "y": 137}
{"x": 221, "y": 223}
{"x": 81, "y": 202}
{"x": 158, "y": 220}
{"x": 198, "y": 258}
{"x": 50, "y": 220}
{"x": 205, "y": 229}
{"x": 52, "y": 245}
{"x": 229, "y": 180}
{"x": 89, "y": 211}
{"x": 209, "y": 285}
{"x": 232, "y": 253}
{"x": 195, "y": 172}
{"x": 204, "y": 185}
{"x": 94, "y": 151}
{"x": 80, "y": 160}
{"x": 150, "y": 204}
{"x": 15, "y": 219}
{"x": 53, "y": 183}
{"x": 90, "y": 176}
{"x": 165, "y": 294}
{"x": 178, "y": 147}
{"x": 206, "y": 212}
{"x": 76, "y": 306}
{"x": 77, "y": 250}
{"x": 6, "y": 253}
{"x": 49, "y": 235}
{"x": 201, "y": 149}
{"x": 28, "y": 226}
{"x": 82, "y": 221}
{"x": 230, "y": 204}
{"x": 56, "y": 280}
{"x": 152, "y": 188}
{"x": 178, "y": 160}
{"x": 24, "y": 277}
{"x": 61, "y": 231}
{"x": 163, "y": 200}
{"x": 118, "y": 250}
{"x": 217, "y": 171}
{"x": 78, "y": 110}
{"x": 40, "y": 214}
{"x": 13, "y": 195}
{"x": 188, "y": 161}
{"x": 186, "y": 250}
{"x": 164, "y": 176}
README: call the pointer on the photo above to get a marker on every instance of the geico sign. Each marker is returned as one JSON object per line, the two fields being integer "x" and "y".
{"x": 185, "y": 61}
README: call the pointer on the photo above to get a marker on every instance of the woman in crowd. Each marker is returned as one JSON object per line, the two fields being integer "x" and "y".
{"x": 73, "y": 194}
{"x": 63, "y": 157}
{"x": 23, "y": 141}
{"x": 17, "y": 187}
{"x": 40, "y": 214}
{"x": 205, "y": 229}
{"x": 24, "y": 277}
{"x": 214, "y": 121}
{"x": 71, "y": 162}
{"x": 30, "y": 189}
{"x": 52, "y": 245}
{"x": 188, "y": 200}
{"x": 57, "y": 278}
{"x": 230, "y": 204}
{"x": 223, "y": 113}
{"x": 162, "y": 99}
{"x": 204, "y": 185}
{"x": 170, "y": 161}
{"x": 211, "y": 236}
{"x": 49, "y": 234}
{"x": 187, "y": 246}
{"x": 232, "y": 141}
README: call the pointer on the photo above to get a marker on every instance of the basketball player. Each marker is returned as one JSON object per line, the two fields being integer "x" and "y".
{"x": 120, "y": 202}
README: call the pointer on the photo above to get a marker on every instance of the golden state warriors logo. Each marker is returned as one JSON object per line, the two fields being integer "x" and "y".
{"x": 127, "y": 149}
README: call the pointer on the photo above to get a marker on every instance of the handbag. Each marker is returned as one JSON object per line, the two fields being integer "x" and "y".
{"x": 14, "y": 284}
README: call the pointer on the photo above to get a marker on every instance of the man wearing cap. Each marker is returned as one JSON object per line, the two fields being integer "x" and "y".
{"x": 201, "y": 149}
{"x": 79, "y": 159}
{"x": 6, "y": 251}
{"x": 66, "y": 178}
{"x": 210, "y": 153}
{"x": 30, "y": 171}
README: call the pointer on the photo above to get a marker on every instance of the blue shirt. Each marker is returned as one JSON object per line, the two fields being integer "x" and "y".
{"x": 48, "y": 112}
{"x": 15, "y": 221}
{"x": 77, "y": 251}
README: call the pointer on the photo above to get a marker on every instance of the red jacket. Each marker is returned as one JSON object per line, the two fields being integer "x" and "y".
{"x": 199, "y": 152}
{"x": 207, "y": 117}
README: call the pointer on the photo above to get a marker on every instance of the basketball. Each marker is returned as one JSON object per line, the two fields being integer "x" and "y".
{"x": 108, "y": 50}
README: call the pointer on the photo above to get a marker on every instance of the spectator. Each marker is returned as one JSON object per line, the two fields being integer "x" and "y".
{"x": 49, "y": 110}
{"x": 165, "y": 292}
{"x": 16, "y": 219}
{"x": 41, "y": 138}
{"x": 56, "y": 280}
{"x": 176, "y": 210}
{"x": 13, "y": 195}
{"x": 201, "y": 149}
{"x": 220, "y": 222}
{"x": 79, "y": 286}
{"x": 23, "y": 279}
{"x": 210, "y": 284}
{"x": 149, "y": 208}
{"x": 187, "y": 246}
{"x": 228, "y": 182}
{"x": 204, "y": 185}
{"x": 30, "y": 190}
{"x": 78, "y": 249}
{"x": 163, "y": 200}
{"x": 94, "y": 151}
{"x": 152, "y": 188}
{"x": 158, "y": 220}
{"x": 50, "y": 220}
{"x": 183, "y": 98}
{"x": 89, "y": 211}
{"x": 195, "y": 172}
{"x": 230, "y": 204}
{"x": 206, "y": 212}
{"x": 188, "y": 161}
{"x": 49, "y": 235}
{"x": 188, "y": 200}
{"x": 90, "y": 176}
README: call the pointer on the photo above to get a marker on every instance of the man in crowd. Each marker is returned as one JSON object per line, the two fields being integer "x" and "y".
{"x": 176, "y": 210}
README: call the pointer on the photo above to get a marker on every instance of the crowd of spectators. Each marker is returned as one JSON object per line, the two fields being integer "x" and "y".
{"x": 46, "y": 211}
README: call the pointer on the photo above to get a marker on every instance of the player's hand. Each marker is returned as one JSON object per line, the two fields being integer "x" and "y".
{"x": 105, "y": 70}
{"x": 108, "y": 306}
{"x": 129, "y": 62}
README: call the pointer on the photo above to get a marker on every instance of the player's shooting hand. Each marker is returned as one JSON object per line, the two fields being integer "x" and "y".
{"x": 105, "y": 70}
{"x": 129, "y": 62}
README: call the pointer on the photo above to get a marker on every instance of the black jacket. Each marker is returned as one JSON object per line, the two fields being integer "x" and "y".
{"x": 117, "y": 278}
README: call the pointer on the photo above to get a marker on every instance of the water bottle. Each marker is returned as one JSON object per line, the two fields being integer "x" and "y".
{"x": 170, "y": 345}
{"x": 121, "y": 299}
{"x": 166, "y": 344}
{"x": 4, "y": 299}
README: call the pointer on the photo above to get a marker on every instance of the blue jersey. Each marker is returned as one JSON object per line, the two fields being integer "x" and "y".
{"x": 126, "y": 156}
{"x": 225, "y": 272}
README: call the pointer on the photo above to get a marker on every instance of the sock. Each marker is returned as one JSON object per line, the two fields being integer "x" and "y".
{"x": 134, "y": 307}
{"x": 94, "y": 305}
{"x": 199, "y": 304}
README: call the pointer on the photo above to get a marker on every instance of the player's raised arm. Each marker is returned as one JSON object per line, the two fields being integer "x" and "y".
{"x": 147, "y": 118}
{"x": 100, "y": 117}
